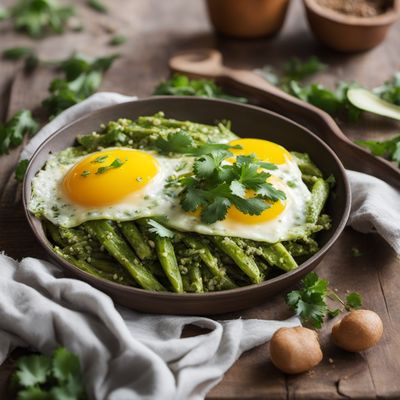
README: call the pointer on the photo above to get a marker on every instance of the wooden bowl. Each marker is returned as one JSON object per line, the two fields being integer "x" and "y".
{"x": 247, "y": 18}
{"x": 349, "y": 33}
{"x": 247, "y": 121}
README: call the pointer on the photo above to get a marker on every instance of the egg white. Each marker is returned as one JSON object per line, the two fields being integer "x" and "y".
{"x": 160, "y": 200}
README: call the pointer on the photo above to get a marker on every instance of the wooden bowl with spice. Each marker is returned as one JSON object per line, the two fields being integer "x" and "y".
{"x": 351, "y": 25}
{"x": 247, "y": 18}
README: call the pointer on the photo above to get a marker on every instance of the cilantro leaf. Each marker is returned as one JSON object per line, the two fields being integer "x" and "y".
{"x": 97, "y": 5}
{"x": 238, "y": 189}
{"x": 117, "y": 40}
{"x": 32, "y": 370}
{"x": 83, "y": 77}
{"x": 159, "y": 229}
{"x": 37, "y": 17}
{"x": 353, "y": 300}
{"x": 389, "y": 149}
{"x": 20, "y": 170}
{"x": 34, "y": 393}
{"x": 390, "y": 90}
{"x": 295, "y": 69}
{"x": 65, "y": 364}
{"x": 251, "y": 206}
{"x": 16, "y": 53}
{"x": 181, "y": 85}
{"x": 177, "y": 142}
{"x": 13, "y": 132}
{"x": 216, "y": 210}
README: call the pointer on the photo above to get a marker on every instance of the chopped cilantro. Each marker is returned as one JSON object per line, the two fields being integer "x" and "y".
{"x": 97, "y": 5}
{"x": 85, "y": 173}
{"x": 389, "y": 148}
{"x": 181, "y": 85}
{"x": 159, "y": 229}
{"x": 100, "y": 159}
{"x": 21, "y": 170}
{"x": 117, "y": 40}
{"x": 12, "y": 132}
{"x": 117, "y": 163}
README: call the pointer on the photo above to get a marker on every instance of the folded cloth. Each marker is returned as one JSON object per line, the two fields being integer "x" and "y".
{"x": 375, "y": 208}
{"x": 124, "y": 354}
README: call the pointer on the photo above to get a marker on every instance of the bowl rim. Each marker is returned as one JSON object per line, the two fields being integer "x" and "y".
{"x": 26, "y": 190}
{"x": 386, "y": 18}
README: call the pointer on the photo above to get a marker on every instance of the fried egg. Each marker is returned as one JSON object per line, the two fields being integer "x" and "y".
{"x": 126, "y": 184}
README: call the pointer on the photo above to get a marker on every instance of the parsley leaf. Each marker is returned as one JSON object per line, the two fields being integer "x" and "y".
{"x": 83, "y": 77}
{"x": 13, "y": 132}
{"x": 390, "y": 90}
{"x": 159, "y": 229}
{"x": 117, "y": 163}
{"x": 97, "y": 5}
{"x": 216, "y": 184}
{"x": 389, "y": 149}
{"x": 20, "y": 170}
{"x": 32, "y": 370}
{"x": 353, "y": 300}
{"x": 181, "y": 85}
{"x": 38, "y": 17}
{"x": 295, "y": 69}
{"x": 38, "y": 377}
{"x": 309, "y": 302}
{"x": 16, "y": 53}
{"x": 117, "y": 40}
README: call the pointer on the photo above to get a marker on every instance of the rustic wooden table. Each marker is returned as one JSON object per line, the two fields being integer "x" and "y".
{"x": 156, "y": 30}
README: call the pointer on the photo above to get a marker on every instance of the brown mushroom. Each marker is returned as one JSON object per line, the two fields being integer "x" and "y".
{"x": 295, "y": 350}
{"x": 358, "y": 330}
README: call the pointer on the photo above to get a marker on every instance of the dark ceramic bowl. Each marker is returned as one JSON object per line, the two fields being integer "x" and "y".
{"x": 247, "y": 121}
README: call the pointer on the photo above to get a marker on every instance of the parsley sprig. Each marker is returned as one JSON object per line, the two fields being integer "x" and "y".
{"x": 310, "y": 301}
{"x": 13, "y": 131}
{"x": 56, "y": 377}
{"x": 39, "y": 17}
{"x": 181, "y": 142}
{"x": 216, "y": 184}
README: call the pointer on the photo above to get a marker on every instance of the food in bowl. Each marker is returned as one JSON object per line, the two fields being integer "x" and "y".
{"x": 169, "y": 205}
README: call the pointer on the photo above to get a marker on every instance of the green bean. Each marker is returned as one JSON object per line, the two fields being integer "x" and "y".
{"x": 193, "y": 281}
{"x": 120, "y": 250}
{"x": 243, "y": 261}
{"x": 210, "y": 261}
{"x": 302, "y": 248}
{"x": 319, "y": 195}
{"x": 166, "y": 255}
{"x": 306, "y": 166}
{"x": 54, "y": 233}
{"x": 94, "y": 140}
{"x": 136, "y": 239}
{"x": 277, "y": 255}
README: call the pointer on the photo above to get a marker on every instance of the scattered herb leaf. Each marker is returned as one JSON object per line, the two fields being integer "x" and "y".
{"x": 20, "y": 170}
{"x": 83, "y": 77}
{"x": 309, "y": 302}
{"x": 353, "y": 301}
{"x": 41, "y": 377}
{"x": 16, "y": 53}
{"x": 389, "y": 149}
{"x": 97, "y": 5}
{"x": 390, "y": 90}
{"x": 13, "y": 132}
{"x": 295, "y": 69}
{"x": 159, "y": 229}
{"x": 181, "y": 85}
{"x": 117, "y": 40}
{"x": 38, "y": 17}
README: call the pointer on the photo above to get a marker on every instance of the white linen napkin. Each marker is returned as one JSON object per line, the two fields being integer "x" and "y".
{"x": 126, "y": 354}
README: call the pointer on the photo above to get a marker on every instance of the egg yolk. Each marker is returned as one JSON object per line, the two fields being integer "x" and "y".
{"x": 106, "y": 177}
{"x": 262, "y": 149}
{"x": 268, "y": 214}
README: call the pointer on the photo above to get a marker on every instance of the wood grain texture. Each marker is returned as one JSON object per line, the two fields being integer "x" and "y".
{"x": 156, "y": 30}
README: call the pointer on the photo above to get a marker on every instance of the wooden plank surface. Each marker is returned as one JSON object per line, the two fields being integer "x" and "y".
{"x": 156, "y": 30}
